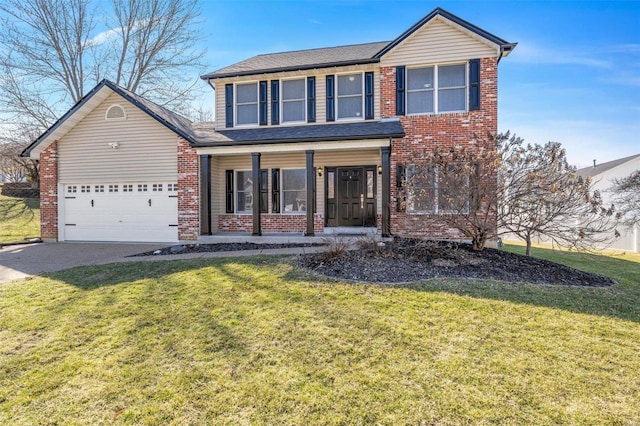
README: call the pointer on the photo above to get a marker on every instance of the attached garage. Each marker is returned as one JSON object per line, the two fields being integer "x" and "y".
{"x": 120, "y": 212}
{"x": 111, "y": 171}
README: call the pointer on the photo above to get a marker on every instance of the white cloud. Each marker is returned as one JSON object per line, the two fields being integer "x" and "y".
{"x": 530, "y": 53}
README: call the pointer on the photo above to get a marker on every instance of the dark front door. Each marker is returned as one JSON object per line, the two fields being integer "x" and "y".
{"x": 350, "y": 197}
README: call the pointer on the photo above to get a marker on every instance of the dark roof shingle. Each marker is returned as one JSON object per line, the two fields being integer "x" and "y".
{"x": 302, "y": 59}
{"x": 206, "y": 136}
{"x": 601, "y": 168}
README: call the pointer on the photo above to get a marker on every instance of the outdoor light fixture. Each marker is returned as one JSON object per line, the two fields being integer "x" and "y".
{"x": 320, "y": 170}
{"x": 379, "y": 170}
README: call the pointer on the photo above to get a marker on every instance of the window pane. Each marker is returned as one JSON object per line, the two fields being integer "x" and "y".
{"x": 369, "y": 183}
{"x": 419, "y": 102}
{"x": 247, "y": 114}
{"x": 350, "y": 107}
{"x": 294, "y": 194}
{"x": 420, "y": 78}
{"x": 331, "y": 189}
{"x": 247, "y": 93}
{"x": 451, "y": 100}
{"x": 451, "y": 76}
{"x": 350, "y": 84}
{"x": 293, "y": 89}
{"x": 244, "y": 192}
{"x": 293, "y": 179}
{"x": 421, "y": 189}
{"x": 293, "y": 111}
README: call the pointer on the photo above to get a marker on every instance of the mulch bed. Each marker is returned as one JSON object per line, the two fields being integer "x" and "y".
{"x": 408, "y": 260}
{"x": 208, "y": 248}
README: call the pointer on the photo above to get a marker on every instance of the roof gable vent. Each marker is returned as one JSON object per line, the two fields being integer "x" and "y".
{"x": 115, "y": 112}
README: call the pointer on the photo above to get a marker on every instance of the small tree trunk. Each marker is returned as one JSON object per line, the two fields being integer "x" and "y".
{"x": 528, "y": 240}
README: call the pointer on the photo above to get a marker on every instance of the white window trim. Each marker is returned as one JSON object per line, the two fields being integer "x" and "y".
{"x": 236, "y": 185}
{"x": 235, "y": 103}
{"x": 282, "y": 101}
{"x": 436, "y": 88}
{"x": 124, "y": 111}
{"x": 337, "y": 97}
{"x": 282, "y": 191}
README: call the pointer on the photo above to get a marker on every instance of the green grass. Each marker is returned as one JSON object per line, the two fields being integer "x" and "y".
{"x": 19, "y": 218}
{"x": 256, "y": 341}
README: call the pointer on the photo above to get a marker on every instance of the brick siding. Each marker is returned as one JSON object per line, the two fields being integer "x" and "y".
{"x": 188, "y": 192}
{"x": 49, "y": 192}
{"x": 426, "y": 132}
{"x": 269, "y": 223}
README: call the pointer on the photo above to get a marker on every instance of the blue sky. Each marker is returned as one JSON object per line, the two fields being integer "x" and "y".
{"x": 574, "y": 77}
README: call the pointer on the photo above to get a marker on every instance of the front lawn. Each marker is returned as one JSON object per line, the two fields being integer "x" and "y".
{"x": 19, "y": 218}
{"x": 256, "y": 341}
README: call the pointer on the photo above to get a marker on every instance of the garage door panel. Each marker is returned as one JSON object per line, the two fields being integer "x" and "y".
{"x": 119, "y": 215}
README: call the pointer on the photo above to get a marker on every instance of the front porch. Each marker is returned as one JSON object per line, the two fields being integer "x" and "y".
{"x": 285, "y": 194}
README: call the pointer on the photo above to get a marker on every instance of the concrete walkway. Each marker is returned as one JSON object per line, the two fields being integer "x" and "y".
{"x": 33, "y": 259}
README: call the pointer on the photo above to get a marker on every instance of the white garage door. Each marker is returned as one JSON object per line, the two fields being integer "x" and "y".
{"x": 121, "y": 212}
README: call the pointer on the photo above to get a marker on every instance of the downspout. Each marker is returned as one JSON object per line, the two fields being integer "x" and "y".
{"x": 210, "y": 84}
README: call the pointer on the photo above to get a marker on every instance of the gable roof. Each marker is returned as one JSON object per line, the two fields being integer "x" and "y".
{"x": 604, "y": 167}
{"x": 505, "y": 46}
{"x": 355, "y": 54}
{"x": 174, "y": 122}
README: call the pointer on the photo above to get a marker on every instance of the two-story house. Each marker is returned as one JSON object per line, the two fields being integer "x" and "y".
{"x": 302, "y": 141}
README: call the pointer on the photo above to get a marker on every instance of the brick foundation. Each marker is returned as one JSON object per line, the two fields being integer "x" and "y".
{"x": 188, "y": 192}
{"x": 49, "y": 192}
{"x": 269, "y": 223}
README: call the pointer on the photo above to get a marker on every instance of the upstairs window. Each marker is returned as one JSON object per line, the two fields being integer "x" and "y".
{"x": 436, "y": 89}
{"x": 350, "y": 96}
{"x": 247, "y": 104}
{"x": 293, "y": 100}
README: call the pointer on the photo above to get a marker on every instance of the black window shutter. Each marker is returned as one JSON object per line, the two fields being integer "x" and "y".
{"x": 275, "y": 190}
{"x": 311, "y": 99}
{"x": 264, "y": 193}
{"x": 275, "y": 101}
{"x": 228, "y": 104}
{"x": 368, "y": 95}
{"x": 331, "y": 104}
{"x": 474, "y": 84}
{"x": 263, "y": 103}
{"x": 400, "y": 196}
{"x": 400, "y": 90}
{"x": 229, "y": 190}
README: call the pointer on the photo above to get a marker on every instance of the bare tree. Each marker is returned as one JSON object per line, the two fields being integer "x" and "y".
{"x": 626, "y": 193}
{"x": 455, "y": 188}
{"x": 497, "y": 185}
{"x": 540, "y": 195}
{"x": 12, "y": 165}
{"x": 50, "y": 54}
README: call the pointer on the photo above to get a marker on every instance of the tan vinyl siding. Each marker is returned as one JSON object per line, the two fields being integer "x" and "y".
{"x": 147, "y": 150}
{"x": 321, "y": 100}
{"x": 290, "y": 161}
{"x": 438, "y": 42}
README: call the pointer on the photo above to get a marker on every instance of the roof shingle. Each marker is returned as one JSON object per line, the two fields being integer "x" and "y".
{"x": 302, "y": 59}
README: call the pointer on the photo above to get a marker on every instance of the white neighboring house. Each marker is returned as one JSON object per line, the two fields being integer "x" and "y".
{"x": 603, "y": 176}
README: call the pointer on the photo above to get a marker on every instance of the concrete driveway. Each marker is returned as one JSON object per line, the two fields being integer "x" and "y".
{"x": 33, "y": 259}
